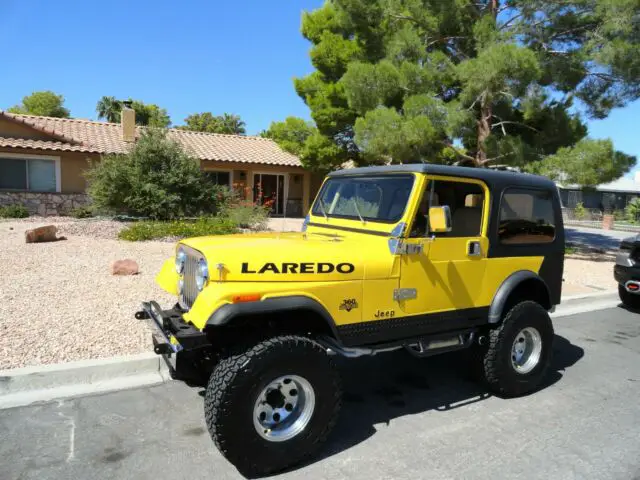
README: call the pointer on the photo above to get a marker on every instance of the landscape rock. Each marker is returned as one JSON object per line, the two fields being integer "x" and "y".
{"x": 41, "y": 234}
{"x": 125, "y": 267}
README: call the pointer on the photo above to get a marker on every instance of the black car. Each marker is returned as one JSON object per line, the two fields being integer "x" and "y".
{"x": 627, "y": 271}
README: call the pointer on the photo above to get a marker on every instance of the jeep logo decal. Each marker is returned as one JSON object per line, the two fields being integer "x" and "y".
{"x": 301, "y": 268}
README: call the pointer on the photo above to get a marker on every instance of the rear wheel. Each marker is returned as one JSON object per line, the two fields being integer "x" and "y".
{"x": 631, "y": 300}
{"x": 272, "y": 405}
{"x": 517, "y": 356}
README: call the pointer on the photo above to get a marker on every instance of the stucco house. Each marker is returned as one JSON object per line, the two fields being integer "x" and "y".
{"x": 42, "y": 160}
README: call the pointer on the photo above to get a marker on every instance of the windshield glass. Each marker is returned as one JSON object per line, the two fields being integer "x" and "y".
{"x": 381, "y": 198}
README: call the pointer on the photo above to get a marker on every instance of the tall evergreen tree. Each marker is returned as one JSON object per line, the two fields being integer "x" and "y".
{"x": 42, "y": 104}
{"x": 473, "y": 82}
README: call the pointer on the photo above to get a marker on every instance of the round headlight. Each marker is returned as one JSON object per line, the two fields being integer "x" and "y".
{"x": 202, "y": 274}
{"x": 181, "y": 258}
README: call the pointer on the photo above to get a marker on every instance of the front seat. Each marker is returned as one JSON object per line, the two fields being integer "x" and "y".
{"x": 466, "y": 222}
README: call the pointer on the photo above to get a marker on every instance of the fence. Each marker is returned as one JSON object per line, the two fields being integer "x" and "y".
{"x": 595, "y": 218}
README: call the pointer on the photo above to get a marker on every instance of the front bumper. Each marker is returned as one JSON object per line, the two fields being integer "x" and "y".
{"x": 184, "y": 348}
{"x": 172, "y": 334}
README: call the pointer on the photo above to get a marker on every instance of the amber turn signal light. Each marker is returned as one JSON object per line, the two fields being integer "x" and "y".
{"x": 253, "y": 297}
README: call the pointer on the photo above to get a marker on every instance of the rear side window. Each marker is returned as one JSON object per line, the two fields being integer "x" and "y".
{"x": 526, "y": 216}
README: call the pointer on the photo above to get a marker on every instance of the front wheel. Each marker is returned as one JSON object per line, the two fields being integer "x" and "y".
{"x": 272, "y": 405}
{"x": 518, "y": 354}
{"x": 631, "y": 300}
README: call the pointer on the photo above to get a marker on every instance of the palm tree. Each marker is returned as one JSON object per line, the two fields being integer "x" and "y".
{"x": 233, "y": 124}
{"x": 109, "y": 108}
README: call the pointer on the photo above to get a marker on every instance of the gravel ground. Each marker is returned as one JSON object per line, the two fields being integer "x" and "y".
{"x": 59, "y": 301}
{"x": 588, "y": 275}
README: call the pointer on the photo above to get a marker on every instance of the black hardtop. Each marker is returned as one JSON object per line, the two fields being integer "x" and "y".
{"x": 493, "y": 178}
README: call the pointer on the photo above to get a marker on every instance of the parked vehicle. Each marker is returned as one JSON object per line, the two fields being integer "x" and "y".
{"x": 627, "y": 271}
{"x": 424, "y": 258}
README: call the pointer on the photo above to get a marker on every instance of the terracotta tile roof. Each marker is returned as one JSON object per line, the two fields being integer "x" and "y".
{"x": 41, "y": 145}
{"x": 100, "y": 137}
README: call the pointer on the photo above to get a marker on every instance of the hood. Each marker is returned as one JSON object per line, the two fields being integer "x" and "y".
{"x": 278, "y": 257}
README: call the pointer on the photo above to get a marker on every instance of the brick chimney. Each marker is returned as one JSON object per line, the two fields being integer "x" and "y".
{"x": 128, "y": 122}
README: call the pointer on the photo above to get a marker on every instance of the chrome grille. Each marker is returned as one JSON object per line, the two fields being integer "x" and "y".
{"x": 190, "y": 289}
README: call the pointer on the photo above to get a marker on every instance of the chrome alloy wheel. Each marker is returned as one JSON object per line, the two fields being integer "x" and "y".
{"x": 284, "y": 408}
{"x": 526, "y": 350}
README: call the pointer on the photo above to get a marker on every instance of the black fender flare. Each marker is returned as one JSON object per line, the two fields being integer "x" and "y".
{"x": 227, "y": 313}
{"x": 505, "y": 289}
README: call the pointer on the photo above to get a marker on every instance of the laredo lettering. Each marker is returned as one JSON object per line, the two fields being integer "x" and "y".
{"x": 326, "y": 267}
{"x": 269, "y": 267}
{"x": 345, "y": 267}
{"x": 245, "y": 269}
{"x": 305, "y": 267}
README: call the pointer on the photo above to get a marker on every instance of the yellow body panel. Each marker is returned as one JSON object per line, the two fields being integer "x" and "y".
{"x": 443, "y": 274}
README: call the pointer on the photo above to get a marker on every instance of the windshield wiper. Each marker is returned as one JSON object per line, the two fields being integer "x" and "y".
{"x": 324, "y": 212}
{"x": 355, "y": 203}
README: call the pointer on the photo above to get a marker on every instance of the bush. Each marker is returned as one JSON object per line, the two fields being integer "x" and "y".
{"x": 82, "y": 212}
{"x": 152, "y": 230}
{"x": 632, "y": 212}
{"x": 14, "y": 211}
{"x": 157, "y": 180}
{"x": 580, "y": 212}
{"x": 248, "y": 215}
{"x": 245, "y": 214}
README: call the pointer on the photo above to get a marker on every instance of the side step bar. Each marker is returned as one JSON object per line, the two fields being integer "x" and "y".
{"x": 420, "y": 347}
{"x": 442, "y": 343}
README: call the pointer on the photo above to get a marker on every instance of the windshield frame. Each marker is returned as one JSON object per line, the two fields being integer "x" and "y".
{"x": 317, "y": 210}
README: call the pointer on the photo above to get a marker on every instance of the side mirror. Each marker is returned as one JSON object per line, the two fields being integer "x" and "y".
{"x": 440, "y": 219}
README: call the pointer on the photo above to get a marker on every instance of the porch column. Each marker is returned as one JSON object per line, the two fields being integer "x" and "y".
{"x": 250, "y": 185}
{"x": 306, "y": 190}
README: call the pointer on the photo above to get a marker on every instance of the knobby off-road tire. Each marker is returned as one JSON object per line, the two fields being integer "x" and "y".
{"x": 631, "y": 300}
{"x": 238, "y": 381}
{"x": 496, "y": 359}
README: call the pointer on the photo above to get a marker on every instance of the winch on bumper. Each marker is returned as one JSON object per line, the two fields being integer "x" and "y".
{"x": 181, "y": 344}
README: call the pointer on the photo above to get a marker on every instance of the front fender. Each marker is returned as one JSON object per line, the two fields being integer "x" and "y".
{"x": 227, "y": 313}
{"x": 167, "y": 278}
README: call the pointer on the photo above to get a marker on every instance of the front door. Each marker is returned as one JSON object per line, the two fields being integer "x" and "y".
{"x": 448, "y": 273}
{"x": 268, "y": 189}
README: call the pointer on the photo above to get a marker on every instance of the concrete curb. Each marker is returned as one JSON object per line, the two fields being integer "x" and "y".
{"x": 583, "y": 303}
{"x": 23, "y": 386}
{"x": 580, "y": 296}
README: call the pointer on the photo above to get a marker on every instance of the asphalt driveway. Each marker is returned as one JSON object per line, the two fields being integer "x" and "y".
{"x": 592, "y": 237}
{"x": 403, "y": 419}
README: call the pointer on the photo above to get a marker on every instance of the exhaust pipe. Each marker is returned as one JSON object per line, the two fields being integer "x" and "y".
{"x": 632, "y": 286}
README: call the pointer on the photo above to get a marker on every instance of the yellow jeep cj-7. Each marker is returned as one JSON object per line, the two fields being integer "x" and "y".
{"x": 424, "y": 258}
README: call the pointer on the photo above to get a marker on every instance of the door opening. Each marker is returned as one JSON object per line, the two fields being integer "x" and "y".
{"x": 269, "y": 190}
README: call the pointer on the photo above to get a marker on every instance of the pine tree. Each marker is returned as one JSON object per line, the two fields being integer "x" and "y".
{"x": 471, "y": 82}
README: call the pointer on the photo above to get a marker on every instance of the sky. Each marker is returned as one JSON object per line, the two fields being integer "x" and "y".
{"x": 189, "y": 56}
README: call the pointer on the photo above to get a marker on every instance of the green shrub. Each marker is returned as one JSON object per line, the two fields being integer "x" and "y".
{"x": 580, "y": 212}
{"x": 247, "y": 215}
{"x": 152, "y": 230}
{"x": 619, "y": 215}
{"x": 632, "y": 212}
{"x": 14, "y": 211}
{"x": 82, "y": 212}
{"x": 157, "y": 179}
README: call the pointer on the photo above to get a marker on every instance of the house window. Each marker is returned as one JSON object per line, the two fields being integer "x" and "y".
{"x": 220, "y": 178}
{"x": 31, "y": 174}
